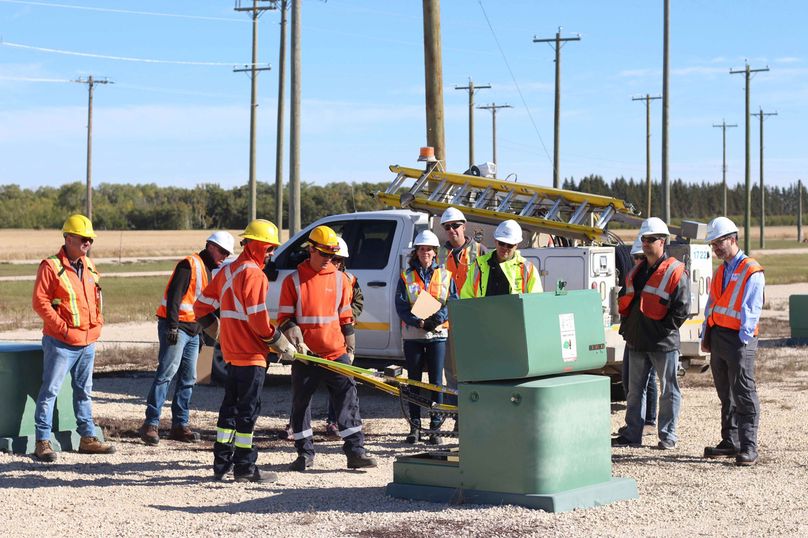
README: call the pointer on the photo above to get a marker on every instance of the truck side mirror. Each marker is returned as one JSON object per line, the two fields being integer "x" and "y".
{"x": 271, "y": 271}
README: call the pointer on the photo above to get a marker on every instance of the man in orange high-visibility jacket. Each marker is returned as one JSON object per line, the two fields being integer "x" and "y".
{"x": 730, "y": 334}
{"x": 314, "y": 312}
{"x": 67, "y": 296}
{"x": 180, "y": 340}
{"x": 239, "y": 291}
{"x": 653, "y": 305}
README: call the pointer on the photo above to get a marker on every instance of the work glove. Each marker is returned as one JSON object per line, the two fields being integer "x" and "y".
{"x": 212, "y": 330}
{"x": 431, "y": 323}
{"x": 350, "y": 346}
{"x": 295, "y": 337}
{"x": 173, "y": 336}
{"x": 284, "y": 349}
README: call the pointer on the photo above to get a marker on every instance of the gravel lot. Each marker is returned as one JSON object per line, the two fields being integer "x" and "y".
{"x": 167, "y": 490}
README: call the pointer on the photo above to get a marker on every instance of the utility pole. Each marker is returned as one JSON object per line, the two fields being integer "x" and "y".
{"x": 799, "y": 211}
{"x": 294, "y": 125}
{"x": 666, "y": 185}
{"x": 280, "y": 119}
{"x": 471, "y": 89}
{"x": 255, "y": 12}
{"x": 433, "y": 79}
{"x": 747, "y": 242}
{"x": 493, "y": 107}
{"x": 559, "y": 41}
{"x": 90, "y": 82}
{"x": 762, "y": 116}
{"x": 647, "y": 100}
{"x": 724, "y": 126}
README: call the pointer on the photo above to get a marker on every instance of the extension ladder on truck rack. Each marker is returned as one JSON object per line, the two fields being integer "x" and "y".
{"x": 570, "y": 214}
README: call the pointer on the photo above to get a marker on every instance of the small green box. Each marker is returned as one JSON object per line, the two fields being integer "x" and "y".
{"x": 523, "y": 336}
{"x": 798, "y": 315}
{"x": 20, "y": 380}
{"x": 538, "y": 437}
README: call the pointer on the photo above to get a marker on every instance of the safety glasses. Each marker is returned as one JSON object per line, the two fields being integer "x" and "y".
{"x": 651, "y": 238}
{"x": 452, "y": 226}
{"x": 505, "y": 245}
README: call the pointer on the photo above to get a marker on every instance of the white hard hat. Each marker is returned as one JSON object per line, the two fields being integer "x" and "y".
{"x": 719, "y": 227}
{"x": 452, "y": 214}
{"x": 343, "y": 248}
{"x": 636, "y": 248}
{"x": 509, "y": 232}
{"x": 426, "y": 238}
{"x": 653, "y": 226}
{"x": 223, "y": 239}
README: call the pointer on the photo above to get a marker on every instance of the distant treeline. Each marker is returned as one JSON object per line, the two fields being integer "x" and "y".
{"x": 150, "y": 207}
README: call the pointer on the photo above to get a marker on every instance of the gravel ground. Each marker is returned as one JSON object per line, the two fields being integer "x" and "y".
{"x": 167, "y": 490}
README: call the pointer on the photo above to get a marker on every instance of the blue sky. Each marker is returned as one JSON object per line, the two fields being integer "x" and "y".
{"x": 180, "y": 122}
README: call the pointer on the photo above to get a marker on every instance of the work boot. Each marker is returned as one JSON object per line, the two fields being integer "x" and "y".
{"x": 301, "y": 463}
{"x": 91, "y": 445}
{"x": 415, "y": 434}
{"x": 220, "y": 476}
{"x": 183, "y": 433}
{"x": 331, "y": 430}
{"x": 724, "y": 449}
{"x": 622, "y": 442}
{"x": 358, "y": 461}
{"x": 666, "y": 444}
{"x": 149, "y": 434}
{"x": 44, "y": 452}
{"x": 258, "y": 476}
{"x": 746, "y": 457}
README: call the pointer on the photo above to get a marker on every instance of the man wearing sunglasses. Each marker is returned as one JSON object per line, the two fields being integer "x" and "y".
{"x": 653, "y": 305}
{"x": 730, "y": 335}
{"x": 67, "y": 296}
{"x": 503, "y": 271}
{"x": 314, "y": 312}
{"x": 457, "y": 254}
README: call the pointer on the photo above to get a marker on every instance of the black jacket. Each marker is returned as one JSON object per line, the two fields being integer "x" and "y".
{"x": 645, "y": 334}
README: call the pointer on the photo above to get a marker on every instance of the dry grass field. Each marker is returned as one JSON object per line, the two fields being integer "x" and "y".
{"x": 36, "y": 244}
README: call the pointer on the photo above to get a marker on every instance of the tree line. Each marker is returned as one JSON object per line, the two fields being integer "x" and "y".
{"x": 209, "y": 206}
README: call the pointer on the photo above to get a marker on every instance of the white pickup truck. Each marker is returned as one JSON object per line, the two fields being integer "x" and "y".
{"x": 379, "y": 241}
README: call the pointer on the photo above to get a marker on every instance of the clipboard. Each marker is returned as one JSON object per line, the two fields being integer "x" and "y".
{"x": 425, "y": 305}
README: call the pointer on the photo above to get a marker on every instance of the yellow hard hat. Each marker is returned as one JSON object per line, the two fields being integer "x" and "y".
{"x": 261, "y": 230}
{"x": 324, "y": 239}
{"x": 79, "y": 225}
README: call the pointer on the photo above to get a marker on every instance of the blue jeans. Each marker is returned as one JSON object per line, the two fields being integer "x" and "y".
{"x": 59, "y": 359}
{"x": 429, "y": 356}
{"x": 670, "y": 401}
{"x": 651, "y": 392}
{"x": 178, "y": 360}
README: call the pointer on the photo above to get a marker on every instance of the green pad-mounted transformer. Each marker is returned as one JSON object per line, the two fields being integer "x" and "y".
{"x": 531, "y": 432}
{"x": 20, "y": 379}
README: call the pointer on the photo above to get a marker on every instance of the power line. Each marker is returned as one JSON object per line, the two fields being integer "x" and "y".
{"x": 120, "y": 11}
{"x": 515, "y": 82}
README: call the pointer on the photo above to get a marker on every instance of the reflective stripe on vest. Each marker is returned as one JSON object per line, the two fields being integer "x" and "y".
{"x": 317, "y": 320}
{"x": 64, "y": 279}
{"x": 459, "y": 269}
{"x": 240, "y": 313}
{"x": 725, "y": 306}
{"x": 522, "y": 277}
{"x": 199, "y": 279}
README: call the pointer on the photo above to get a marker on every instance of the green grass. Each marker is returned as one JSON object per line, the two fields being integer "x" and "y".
{"x": 9, "y": 269}
{"x": 125, "y": 299}
{"x": 777, "y": 243}
{"x": 781, "y": 268}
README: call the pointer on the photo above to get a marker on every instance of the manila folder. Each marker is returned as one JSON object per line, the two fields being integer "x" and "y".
{"x": 425, "y": 305}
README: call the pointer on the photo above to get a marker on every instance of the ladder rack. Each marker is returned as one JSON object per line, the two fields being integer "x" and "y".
{"x": 571, "y": 214}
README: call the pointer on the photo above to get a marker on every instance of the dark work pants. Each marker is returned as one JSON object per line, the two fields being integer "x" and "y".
{"x": 306, "y": 378}
{"x": 238, "y": 413}
{"x": 429, "y": 356}
{"x": 733, "y": 367}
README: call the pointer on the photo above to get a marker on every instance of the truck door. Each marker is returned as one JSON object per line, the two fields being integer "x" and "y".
{"x": 374, "y": 262}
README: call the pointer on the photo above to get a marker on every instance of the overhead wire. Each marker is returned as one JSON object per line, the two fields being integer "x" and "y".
{"x": 516, "y": 83}
{"x": 122, "y": 11}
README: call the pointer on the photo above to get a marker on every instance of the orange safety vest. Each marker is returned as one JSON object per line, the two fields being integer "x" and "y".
{"x": 320, "y": 304}
{"x": 439, "y": 287}
{"x": 239, "y": 292}
{"x": 459, "y": 270}
{"x": 199, "y": 281}
{"x": 725, "y": 306}
{"x": 655, "y": 296}
{"x": 71, "y": 308}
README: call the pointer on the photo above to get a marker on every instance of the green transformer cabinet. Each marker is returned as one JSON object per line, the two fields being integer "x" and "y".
{"x": 20, "y": 379}
{"x": 528, "y": 436}
{"x": 798, "y": 316}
